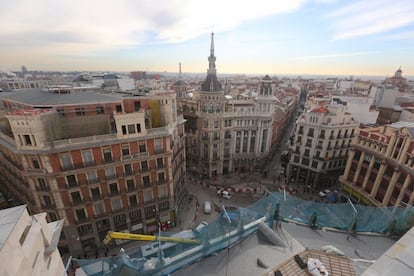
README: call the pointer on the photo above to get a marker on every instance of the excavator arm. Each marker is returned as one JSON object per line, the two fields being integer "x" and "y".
{"x": 139, "y": 237}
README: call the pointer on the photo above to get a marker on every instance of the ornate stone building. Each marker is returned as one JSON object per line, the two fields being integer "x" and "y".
{"x": 228, "y": 134}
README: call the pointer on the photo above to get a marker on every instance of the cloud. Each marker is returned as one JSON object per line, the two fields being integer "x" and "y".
{"x": 93, "y": 25}
{"x": 336, "y": 55}
{"x": 363, "y": 18}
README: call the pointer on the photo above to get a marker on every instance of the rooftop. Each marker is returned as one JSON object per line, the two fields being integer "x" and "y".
{"x": 244, "y": 258}
{"x": 8, "y": 219}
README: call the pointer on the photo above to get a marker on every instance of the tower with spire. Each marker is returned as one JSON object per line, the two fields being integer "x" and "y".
{"x": 211, "y": 84}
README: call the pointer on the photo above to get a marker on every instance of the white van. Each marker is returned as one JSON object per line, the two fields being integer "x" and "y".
{"x": 207, "y": 207}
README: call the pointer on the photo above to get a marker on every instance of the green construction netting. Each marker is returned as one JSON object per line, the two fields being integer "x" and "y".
{"x": 236, "y": 223}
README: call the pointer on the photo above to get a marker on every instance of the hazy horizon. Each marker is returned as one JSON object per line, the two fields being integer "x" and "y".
{"x": 313, "y": 37}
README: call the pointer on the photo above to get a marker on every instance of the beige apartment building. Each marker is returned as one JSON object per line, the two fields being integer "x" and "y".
{"x": 323, "y": 136}
{"x": 379, "y": 169}
{"x": 99, "y": 161}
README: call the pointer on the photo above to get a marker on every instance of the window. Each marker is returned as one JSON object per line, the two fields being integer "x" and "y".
{"x": 158, "y": 146}
{"x": 125, "y": 149}
{"x": 35, "y": 163}
{"x": 66, "y": 161}
{"x": 110, "y": 173}
{"x": 161, "y": 178}
{"x": 150, "y": 211}
{"x": 27, "y": 140}
{"x": 91, "y": 177}
{"x": 139, "y": 128}
{"x": 131, "y": 129}
{"x": 113, "y": 189}
{"x": 81, "y": 214}
{"x": 87, "y": 158}
{"x": 124, "y": 130}
{"x": 160, "y": 163}
{"x": 96, "y": 194}
{"x": 47, "y": 201}
{"x": 128, "y": 169}
{"x": 137, "y": 105}
{"x": 164, "y": 206}
{"x": 107, "y": 154}
{"x": 216, "y": 124}
{"x": 99, "y": 209}
{"x": 142, "y": 147}
{"x": 71, "y": 180}
{"x": 133, "y": 202}
{"x": 135, "y": 215}
{"x": 118, "y": 108}
{"x": 146, "y": 181}
{"x": 99, "y": 110}
{"x": 310, "y": 132}
{"x": 144, "y": 166}
{"x": 80, "y": 111}
{"x": 116, "y": 204}
{"x": 52, "y": 217}
{"x": 130, "y": 183}
{"x": 42, "y": 184}
{"x": 148, "y": 196}
{"x": 162, "y": 192}
{"x": 76, "y": 197}
{"x": 85, "y": 229}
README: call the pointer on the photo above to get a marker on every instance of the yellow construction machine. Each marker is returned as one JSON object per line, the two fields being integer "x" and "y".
{"x": 139, "y": 237}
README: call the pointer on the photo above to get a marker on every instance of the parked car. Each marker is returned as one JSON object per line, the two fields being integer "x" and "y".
{"x": 207, "y": 207}
{"x": 226, "y": 194}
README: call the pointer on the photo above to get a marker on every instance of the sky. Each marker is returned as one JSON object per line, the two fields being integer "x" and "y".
{"x": 329, "y": 37}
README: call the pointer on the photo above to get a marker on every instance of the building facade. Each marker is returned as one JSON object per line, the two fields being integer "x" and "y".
{"x": 28, "y": 244}
{"x": 379, "y": 169}
{"x": 99, "y": 161}
{"x": 227, "y": 134}
{"x": 322, "y": 138}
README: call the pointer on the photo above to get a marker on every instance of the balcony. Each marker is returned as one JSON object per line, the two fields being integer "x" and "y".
{"x": 128, "y": 173}
{"x": 42, "y": 188}
{"x": 96, "y": 197}
{"x": 308, "y": 145}
{"x": 321, "y": 136}
{"x": 319, "y": 146}
{"x": 89, "y": 163}
{"x": 111, "y": 177}
{"x": 72, "y": 185}
{"x": 92, "y": 181}
{"x": 159, "y": 150}
{"x": 77, "y": 202}
{"x": 67, "y": 167}
{"x": 48, "y": 206}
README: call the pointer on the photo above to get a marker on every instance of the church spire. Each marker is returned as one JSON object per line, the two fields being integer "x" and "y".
{"x": 211, "y": 58}
{"x": 211, "y": 83}
{"x": 179, "y": 72}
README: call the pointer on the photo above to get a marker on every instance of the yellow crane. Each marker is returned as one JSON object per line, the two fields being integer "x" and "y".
{"x": 139, "y": 237}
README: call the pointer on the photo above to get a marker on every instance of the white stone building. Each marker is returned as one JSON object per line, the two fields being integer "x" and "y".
{"x": 28, "y": 244}
{"x": 322, "y": 139}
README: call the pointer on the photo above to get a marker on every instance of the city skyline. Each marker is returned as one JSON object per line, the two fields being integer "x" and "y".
{"x": 321, "y": 37}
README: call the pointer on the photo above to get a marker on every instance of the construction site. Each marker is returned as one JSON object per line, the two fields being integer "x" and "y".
{"x": 232, "y": 232}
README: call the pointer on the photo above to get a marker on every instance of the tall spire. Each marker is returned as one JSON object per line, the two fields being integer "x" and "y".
{"x": 211, "y": 59}
{"x": 179, "y": 73}
{"x": 211, "y": 83}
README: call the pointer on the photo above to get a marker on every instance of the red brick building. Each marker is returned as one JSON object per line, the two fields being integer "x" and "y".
{"x": 99, "y": 161}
